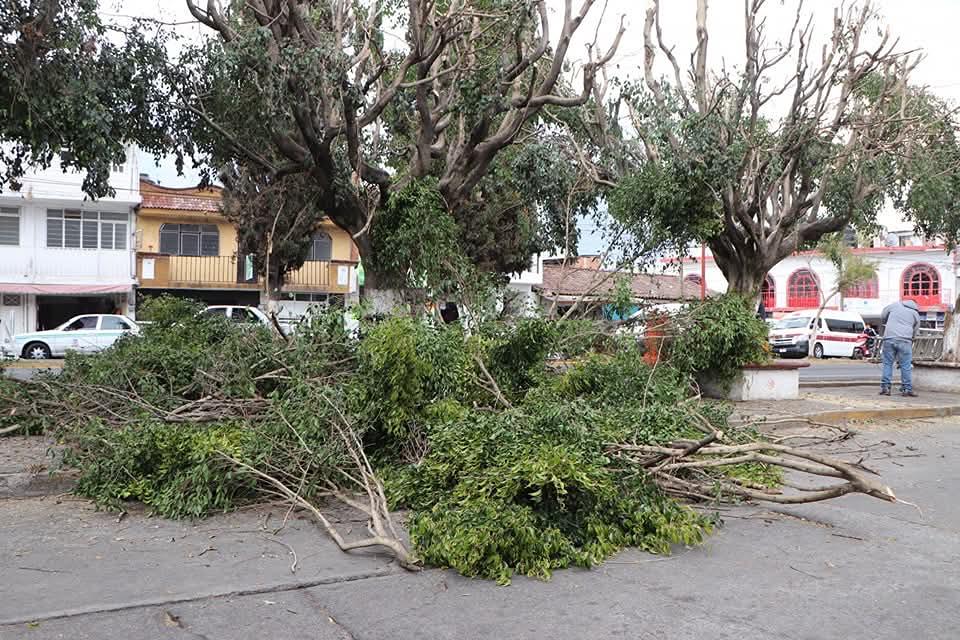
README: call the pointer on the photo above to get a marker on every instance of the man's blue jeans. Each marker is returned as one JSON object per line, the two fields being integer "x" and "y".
{"x": 902, "y": 351}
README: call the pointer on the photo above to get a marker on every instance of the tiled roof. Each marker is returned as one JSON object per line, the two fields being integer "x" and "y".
{"x": 597, "y": 283}
{"x": 179, "y": 202}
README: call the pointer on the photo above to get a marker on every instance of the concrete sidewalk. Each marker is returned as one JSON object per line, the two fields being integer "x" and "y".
{"x": 855, "y": 568}
{"x": 849, "y": 403}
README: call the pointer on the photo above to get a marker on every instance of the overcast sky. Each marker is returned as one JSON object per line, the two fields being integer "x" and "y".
{"x": 930, "y": 25}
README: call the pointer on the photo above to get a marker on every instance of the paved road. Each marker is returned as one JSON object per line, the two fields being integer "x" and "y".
{"x": 856, "y": 568}
{"x": 839, "y": 370}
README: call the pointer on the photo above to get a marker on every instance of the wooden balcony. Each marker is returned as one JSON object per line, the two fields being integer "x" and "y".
{"x": 161, "y": 271}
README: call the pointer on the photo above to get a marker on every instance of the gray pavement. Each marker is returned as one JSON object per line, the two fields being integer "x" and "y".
{"x": 842, "y": 370}
{"x": 855, "y": 568}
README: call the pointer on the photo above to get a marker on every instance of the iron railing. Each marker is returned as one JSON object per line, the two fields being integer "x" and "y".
{"x": 928, "y": 346}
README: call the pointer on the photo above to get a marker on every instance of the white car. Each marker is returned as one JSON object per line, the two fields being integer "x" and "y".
{"x": 240, "y": 315}
{"x": 86, "y": 334}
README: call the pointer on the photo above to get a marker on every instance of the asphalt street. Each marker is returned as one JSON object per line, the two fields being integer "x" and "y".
{"x": 836, "y": 370}
{"x": 855, "y": 568}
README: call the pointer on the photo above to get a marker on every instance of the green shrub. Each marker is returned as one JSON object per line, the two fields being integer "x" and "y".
{"x": 405, "y": 366}
{"x": 529, "y": 491}
{"x": 174, "y": 469}
{"x": 718, "y": 337}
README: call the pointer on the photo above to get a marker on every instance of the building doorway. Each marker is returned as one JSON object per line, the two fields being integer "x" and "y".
{"x": 52, "y": 311}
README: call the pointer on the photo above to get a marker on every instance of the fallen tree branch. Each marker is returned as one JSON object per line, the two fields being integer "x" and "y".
{"x": 396, "y": 547}
{"x": 674, "y": 467}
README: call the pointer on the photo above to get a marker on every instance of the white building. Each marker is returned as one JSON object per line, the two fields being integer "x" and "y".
{"x": 907, "y": 268}
{"x": 62, "y": 254}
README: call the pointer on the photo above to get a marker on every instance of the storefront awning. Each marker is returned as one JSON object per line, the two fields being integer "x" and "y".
{"x": 65, "y": 289}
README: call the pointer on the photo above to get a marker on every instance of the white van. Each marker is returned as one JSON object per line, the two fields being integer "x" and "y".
{"x": 840, "y": 335}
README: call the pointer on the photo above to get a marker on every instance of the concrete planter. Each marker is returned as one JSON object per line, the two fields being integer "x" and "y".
{"x": 936, "y": 376}
{"x": 770, "y": 381}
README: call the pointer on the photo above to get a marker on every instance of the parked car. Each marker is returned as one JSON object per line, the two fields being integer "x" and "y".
{"x": 248, "y": 316}
{"x": 240, "y": 315}
{"x": 840, "y": 334}
{"x": 86, "y": 334}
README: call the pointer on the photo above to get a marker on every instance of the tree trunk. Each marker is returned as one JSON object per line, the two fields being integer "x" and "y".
{"x": 951, "y": 335}
{"x": 743, "y": 276}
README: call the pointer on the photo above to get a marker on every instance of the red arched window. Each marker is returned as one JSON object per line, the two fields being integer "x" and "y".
{"x": 921, "y": 283}
{"x": 768, "y": 293}
{"x": 866, "y": 289}
{"x": 693, "y": 279}
{"x": 803, "y": 291}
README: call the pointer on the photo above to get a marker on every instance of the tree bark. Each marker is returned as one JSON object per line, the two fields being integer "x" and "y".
{"x": 744, "y": 273}
{"x": 951, "y": 335}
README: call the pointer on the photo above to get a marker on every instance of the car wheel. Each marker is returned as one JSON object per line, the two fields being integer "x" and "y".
{"x": 818, "y": 351}
{"x": 36, "y": 351}
{"x": 858, "y": 354}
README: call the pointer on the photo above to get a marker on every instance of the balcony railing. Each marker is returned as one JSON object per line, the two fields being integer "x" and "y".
{"x": 311, "y": 274}
{"x": 161, "y": 271}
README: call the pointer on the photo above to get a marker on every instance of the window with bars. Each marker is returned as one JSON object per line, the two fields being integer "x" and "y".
{"x": 11, "y": 300}
{"x": 921, "y": 283}
{"x": 189, "y": 239}
{"x": 866, "y": 289}
{"x": 803, "y": 290}
{"x": 321, "y": 248}
{"x": 9, "y": 227}
{"x": 71, "y": 229}
{"x": 768, "y": 293}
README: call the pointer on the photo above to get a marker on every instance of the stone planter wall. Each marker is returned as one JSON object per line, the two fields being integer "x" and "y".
{"x": 772, "y": 381}
{"x": 936, "y": 376}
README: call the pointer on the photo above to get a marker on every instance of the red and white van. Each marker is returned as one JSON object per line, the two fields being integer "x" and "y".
{"x": 840, "y": 334}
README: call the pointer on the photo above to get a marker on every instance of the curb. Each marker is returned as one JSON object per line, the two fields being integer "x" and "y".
{"x": 898, "y": 413}
{"x": 828, "y": 384}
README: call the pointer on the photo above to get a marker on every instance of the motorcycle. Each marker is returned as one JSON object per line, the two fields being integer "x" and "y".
{"x": 867, "y": 347}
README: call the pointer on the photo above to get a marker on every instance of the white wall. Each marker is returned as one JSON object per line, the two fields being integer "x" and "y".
{"x": 891, "y": 263}
{"x": 32, "y": 262}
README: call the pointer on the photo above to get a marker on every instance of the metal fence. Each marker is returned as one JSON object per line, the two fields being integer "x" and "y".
{"x": 928, "y": 345}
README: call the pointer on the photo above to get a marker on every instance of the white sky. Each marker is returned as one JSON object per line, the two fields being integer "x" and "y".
{"x": 929, "y": 25}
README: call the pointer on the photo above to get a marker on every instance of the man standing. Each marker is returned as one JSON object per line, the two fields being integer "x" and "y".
{"x": 901, "y": 320}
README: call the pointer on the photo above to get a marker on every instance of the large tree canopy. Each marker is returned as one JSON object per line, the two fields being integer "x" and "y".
{"x": 368, "y": 98}
{"x": 809, "y": 134}
{"x": 76, "y": 88}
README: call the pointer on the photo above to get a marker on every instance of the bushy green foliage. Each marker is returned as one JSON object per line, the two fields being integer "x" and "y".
{"x": 405, "y": 367}
{"x": 496, "y": 485}
{"x": 174, "y": 469}
{"x": 718, "y": 337}
{"x": 532, "y": 490}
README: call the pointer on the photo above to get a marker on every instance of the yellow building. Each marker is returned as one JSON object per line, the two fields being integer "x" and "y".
{"x": 186, "y": 247}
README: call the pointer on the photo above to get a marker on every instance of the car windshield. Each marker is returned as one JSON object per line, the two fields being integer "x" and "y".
{"x": 794, "y": 323}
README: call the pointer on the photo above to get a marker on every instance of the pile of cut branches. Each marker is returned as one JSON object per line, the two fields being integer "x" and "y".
{"x": 503, "y": 463}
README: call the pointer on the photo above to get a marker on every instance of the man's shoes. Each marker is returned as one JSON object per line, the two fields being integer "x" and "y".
{"x": 884, "y": 392}
{"x": 910, "y": 394}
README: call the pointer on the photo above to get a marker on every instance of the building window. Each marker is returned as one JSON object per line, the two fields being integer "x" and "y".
{"x": 70, "y": 229}
{"x": 693, "y": 279}
{"x": 190, "y": 239}
{"x": 866, "y": 289}
{"x": 905, "y": 239}
{"x": 768, "y": 293}
{"x": 11, "y": 300}
{"x": 921, "y": 283}
{"x": 803, "y": 292}
{"x": 321, "y": 248}
{"x": 9, "y": 227}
